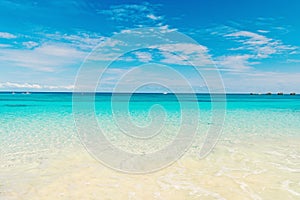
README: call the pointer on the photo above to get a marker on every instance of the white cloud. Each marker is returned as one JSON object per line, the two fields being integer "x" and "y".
{"x": 6, "y": 35}
{"x": 253, "y": 38}
{"x": 84, "y": 41}
{"x": 47, "y": 57}
{"x": 236, "y": 63}
{"x": 54, "y": 52}
{"x": 166, "y": 29}
{"x": 20, "y": 85}
{"x": 137, "y": 14}
{"x": 184, "y": 54}
{"x": 12, "y": 85}
{"x": 185, "y": 48}
{"x": 259, "y": 45}
{"x": 150, "y": 31}
{"x": 172, "y": 58}
{"x": 122, "y": 12}
{"x": 109, "y": 50}
{"x": 30, "y": 44}
{"x": 53, "y": 87}
{"x": 153, "y": 17}
{"x": 143, "y": 56}
{"x": 263, "y": 31}
{"x": 171, "y": 53}
{"x": 126, "y": 31}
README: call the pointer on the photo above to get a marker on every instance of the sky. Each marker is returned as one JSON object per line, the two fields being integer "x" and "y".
{"x": 253, "y": 45}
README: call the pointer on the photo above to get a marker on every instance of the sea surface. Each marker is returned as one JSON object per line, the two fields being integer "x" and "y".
{"x": 257, "y": 155}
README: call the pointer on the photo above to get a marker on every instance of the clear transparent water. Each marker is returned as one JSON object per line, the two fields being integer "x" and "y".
{"x": 257, "y": 156}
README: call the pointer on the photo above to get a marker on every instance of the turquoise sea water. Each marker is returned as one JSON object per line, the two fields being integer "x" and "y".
{"x": 44, "y": 121}
{"x": 38, "y": 128}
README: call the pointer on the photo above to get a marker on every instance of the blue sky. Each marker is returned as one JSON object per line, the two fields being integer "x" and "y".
{"x": 254, "y": 44}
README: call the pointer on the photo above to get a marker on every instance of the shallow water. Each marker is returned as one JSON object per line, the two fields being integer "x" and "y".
{"x": 257, "y": 155}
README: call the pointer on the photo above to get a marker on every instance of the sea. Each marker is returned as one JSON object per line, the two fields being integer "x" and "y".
{"x": 233, "y": 146}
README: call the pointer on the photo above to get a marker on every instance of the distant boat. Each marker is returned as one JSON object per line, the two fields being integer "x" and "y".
{"x": 26, "y": 93}
{"x": 165, "y": 93}
{"x": 293, "y": 93}
{"x": 13, "y": 93}
{"x": 280, "y": 93}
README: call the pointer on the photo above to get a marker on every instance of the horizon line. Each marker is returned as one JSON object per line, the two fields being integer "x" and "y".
{"x": 166, "y": 93}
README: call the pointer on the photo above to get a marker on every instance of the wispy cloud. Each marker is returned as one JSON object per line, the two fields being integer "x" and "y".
{"x": 49, "y": 52}
{"x": 6, "y": 35}
{"x": 167, "y": 53}
{"x": 251, "y": 38}
{"x": 82, "y": 40}
{"x": 263, "y": 31}
{"x": 137, "y": 32}
{"x": 251, "y": 50}
{"x": 259, "y": 45}
{"x": 138, "y": 14}
{"x": 184, "y": 54}
{"x": 153, "y": 17}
